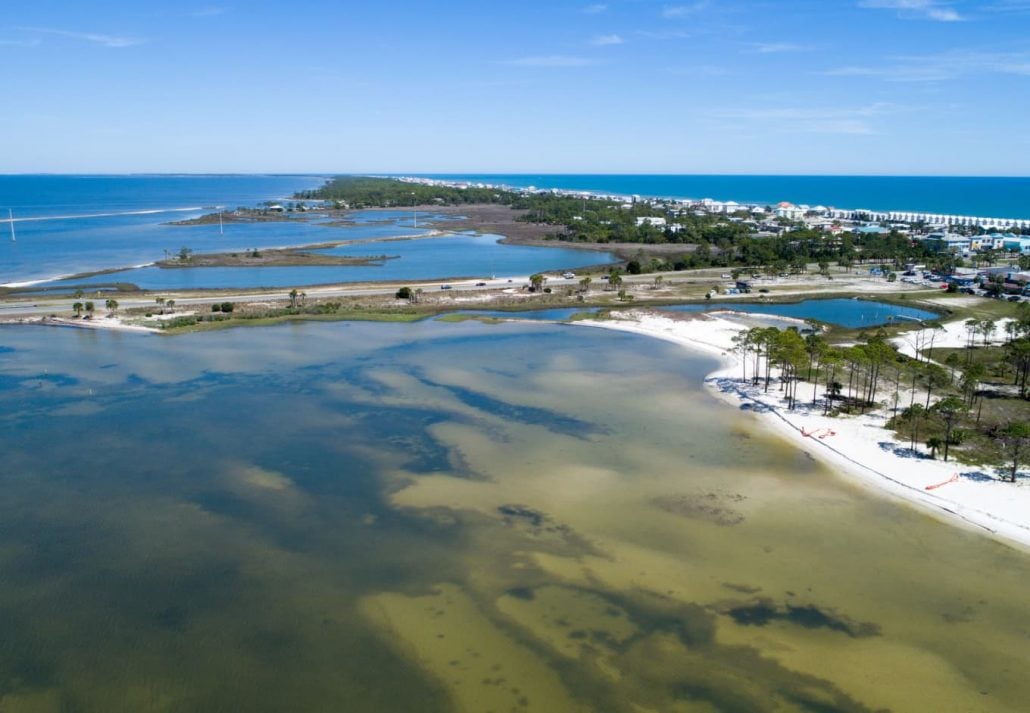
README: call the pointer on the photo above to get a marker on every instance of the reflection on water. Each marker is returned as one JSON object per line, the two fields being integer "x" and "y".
{"x": 457, "y": 517}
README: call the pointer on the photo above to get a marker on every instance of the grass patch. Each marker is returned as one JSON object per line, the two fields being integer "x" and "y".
{"x": 189, "y": 325}
{"x": 459, "y": 317}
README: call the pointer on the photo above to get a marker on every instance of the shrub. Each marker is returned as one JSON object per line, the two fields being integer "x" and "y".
{"x": 404, "y": 293}
{"x": 228, "y": 307}
{"x": 216, "y": 308}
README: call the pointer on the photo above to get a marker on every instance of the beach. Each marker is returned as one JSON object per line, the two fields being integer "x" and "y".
{"x": 856, "y": 447}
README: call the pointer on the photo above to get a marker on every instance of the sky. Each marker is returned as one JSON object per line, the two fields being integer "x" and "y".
{"x": 911, "y": 87}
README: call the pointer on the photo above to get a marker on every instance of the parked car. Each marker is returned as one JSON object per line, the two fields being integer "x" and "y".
{"x": 445, "y": 287}
{"x": 569, "y": 276}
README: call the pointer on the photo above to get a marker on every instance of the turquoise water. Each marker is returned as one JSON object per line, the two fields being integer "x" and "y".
{"x": 423, "y": 259}
{"x": 445, "y": 517}
{"x": 974, "y": 196}
{"x": 853, "y": 314}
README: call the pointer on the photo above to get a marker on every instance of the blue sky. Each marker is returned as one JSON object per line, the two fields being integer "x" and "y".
{"x": 737, "y": 86}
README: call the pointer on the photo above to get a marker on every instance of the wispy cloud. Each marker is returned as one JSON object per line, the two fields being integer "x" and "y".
{"x": 853, "y": 121}
{"x": 779, "y": 47}
{"x": 595, "y": 9}
{"x": 35, "y": 42}
{"x": 209, "y": 11}
{"x": 553, "y": 60}
{"x": 606, "y": 40}
{"x": 1017, "y": 7}
{"x": 662, "y": 34}
{"x": 678, "y": 12}
{"x": 93, "y": 37}
{"x": 939, "y": 67}
{"x": 701, "y": 70}
{"x": 917, "y": 9}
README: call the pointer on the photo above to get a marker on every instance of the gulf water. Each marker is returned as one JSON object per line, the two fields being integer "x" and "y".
{"x": 67, "y": 225}
{"x": 987, "y": 197}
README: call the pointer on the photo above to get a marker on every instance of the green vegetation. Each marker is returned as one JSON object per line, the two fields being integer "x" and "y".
{"x": 709, "y": 240}
{"x": 226, "y": 315}
{"x": 974, "y": 409}
{"x": 459, "y": 317}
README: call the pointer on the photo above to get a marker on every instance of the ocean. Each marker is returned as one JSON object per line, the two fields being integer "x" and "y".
{"x": 73, "y": 224}
{"x": 991, "y": 197}
{"x": 69, "y": 225}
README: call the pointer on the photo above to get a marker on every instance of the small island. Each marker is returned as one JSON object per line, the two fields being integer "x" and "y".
{"x": 269, "y": 257}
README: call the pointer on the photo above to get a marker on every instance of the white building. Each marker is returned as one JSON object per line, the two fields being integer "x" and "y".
{"x": 648, "y": 220}
{"x": 789, "y": 211}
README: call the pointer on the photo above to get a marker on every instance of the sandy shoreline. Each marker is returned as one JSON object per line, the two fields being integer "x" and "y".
{"x": 856, "y": 447}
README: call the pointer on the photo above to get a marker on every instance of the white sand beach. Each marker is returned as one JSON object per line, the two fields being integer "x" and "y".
{"x": 857, "y": 447}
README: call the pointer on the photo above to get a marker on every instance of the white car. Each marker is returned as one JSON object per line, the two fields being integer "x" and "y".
{"x": 569, "y": 276}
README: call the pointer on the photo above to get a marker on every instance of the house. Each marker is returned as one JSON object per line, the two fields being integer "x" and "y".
{"x": 789, "y": 211}
{"x": 947, "y": 242}
{"x": 1017, "y": 245}
{"x": 871, "y": 230}
{"x": 648, "y": 220}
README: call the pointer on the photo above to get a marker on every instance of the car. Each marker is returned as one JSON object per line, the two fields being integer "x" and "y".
{"x": 480, "y": 284}
{"x": 1013, "y": 298}
{"x": 445, "y": 287}
{"x": 764, "y": 289}
{"x": 569, "y": 276}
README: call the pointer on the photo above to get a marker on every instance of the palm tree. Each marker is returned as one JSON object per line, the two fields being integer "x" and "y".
{"x": 77, "y": 308}
{"x": 170, "y": 304}
{"x": 89, "y": 309}
{"x": 585, "y": 284}
{"x": 293, "y": 297}
{"x": 537, "y": 281}
{"x": 111, "y": 304}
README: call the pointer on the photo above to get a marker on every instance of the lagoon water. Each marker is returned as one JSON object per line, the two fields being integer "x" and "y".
{"x": 452, "y": 256}
{"x": 469, "y": 517}
{"x": 848, "y": 313}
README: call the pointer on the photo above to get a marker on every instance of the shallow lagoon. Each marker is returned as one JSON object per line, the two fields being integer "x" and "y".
{"x": 849, "y": 313}
{"x": 846, "y": 313}
{"x": 457, "y": 517}
{"x": 452, "y": 256}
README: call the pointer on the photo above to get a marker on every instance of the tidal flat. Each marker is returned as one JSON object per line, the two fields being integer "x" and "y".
{"x": 458, "y": 516}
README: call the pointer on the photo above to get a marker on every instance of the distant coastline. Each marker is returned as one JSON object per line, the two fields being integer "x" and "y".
{"x": 995, "y": 197}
